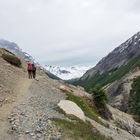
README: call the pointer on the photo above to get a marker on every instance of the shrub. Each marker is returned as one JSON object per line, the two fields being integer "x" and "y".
{"x": 99, "y": 97}
{"x": 134, "y": 102}
{"x": 100, "y": 100}
{"x": 12, "y": 59}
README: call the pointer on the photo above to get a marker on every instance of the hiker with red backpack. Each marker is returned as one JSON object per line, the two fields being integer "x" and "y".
{"x": 29, "y": 68}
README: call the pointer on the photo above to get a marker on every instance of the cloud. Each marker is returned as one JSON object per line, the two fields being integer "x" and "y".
{"x": 69, "y": 32}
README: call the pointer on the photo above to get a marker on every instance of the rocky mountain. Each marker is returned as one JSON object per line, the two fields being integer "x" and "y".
{"x": 14, "y": 48}
{"x": 67, "y": 73}
{"x": 118, "y": 57}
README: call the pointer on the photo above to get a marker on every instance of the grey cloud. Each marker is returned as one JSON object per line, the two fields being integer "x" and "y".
{"x": 68, "y": 31}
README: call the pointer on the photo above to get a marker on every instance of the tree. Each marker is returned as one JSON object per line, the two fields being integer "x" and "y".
{"x": 100, "y": 100}
{"x": 99, "y": 97}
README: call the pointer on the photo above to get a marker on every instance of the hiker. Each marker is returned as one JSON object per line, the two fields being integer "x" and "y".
{"x": 33, "y": 70}
{"x": 29, "y": 68}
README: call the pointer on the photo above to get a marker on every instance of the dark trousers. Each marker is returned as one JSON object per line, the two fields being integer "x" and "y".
{"x": 30, "y": 74}
{"x": 34, "y": 74}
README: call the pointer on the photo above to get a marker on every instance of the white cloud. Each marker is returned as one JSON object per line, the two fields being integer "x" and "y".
{"x": 68, "y": 32}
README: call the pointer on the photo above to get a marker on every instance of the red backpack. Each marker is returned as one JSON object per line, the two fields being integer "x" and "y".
{"x": 29, "y": 66}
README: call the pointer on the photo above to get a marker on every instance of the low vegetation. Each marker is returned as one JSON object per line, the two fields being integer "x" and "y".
{"x": 134, "y": 102}
{"x": 99, "y": 97}
{"x": 100, "y": 100}
{"x": 108, "y": 77}
{"x": 12, "y": 59}
{"x": 84, "y": 105}
{"x": 77, "y": 130}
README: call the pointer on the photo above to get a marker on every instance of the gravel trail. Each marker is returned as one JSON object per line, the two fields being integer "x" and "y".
{"x": 36, "y": 103}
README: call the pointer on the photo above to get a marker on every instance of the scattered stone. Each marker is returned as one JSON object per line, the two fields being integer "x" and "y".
{"x": 23, "y": 114}
{"x": 27, "y": 132}
{"x": 32, "y": 134}
{"x": 39, "y": 135}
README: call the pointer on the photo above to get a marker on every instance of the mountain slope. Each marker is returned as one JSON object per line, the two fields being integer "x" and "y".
{"x": 26, "y": 102}
{"x": 109, "y": 76}
{"x": 14, "y": 48}
{"x": 115, "y": 65}
{"x": 116, "y": 73}
{"x": 118, "y": 57}
{"x": 51, "y": 75}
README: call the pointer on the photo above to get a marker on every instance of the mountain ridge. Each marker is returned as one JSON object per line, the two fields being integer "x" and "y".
{"x": 14, "y": 48}
{"x": 118, "y": 57}
{"x": 118, "y": 73}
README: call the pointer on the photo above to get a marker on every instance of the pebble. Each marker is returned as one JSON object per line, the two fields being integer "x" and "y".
{"x": 39, "y": 135}
{"x": 27, "y": 132}
{"x": 32, "y": 134}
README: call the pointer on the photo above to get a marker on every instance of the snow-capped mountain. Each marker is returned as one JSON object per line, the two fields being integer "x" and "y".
{"x": 67, "y": 73}
{"x": 14, "y": 48}
{"x": 118, "y": 57}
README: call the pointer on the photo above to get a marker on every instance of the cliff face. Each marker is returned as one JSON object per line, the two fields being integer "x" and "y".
{"x": 118, "y": 57}
{"x": 118, "y": 92}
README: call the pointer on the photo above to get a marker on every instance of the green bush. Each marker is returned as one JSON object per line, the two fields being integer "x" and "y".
{"x": 134, "y": 102}
{"x": 99, "y": 97}
{"x": 12, "y": 59}
{"x": 100, "y": 100}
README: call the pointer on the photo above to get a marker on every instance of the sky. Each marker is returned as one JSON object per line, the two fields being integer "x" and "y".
{"x": 69, "y": 32}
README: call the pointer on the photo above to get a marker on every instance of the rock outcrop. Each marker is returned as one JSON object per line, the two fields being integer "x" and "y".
{"x": 118, "y": 92}
{"x": 125, "y": 121}
{"x": 71, "y": 108}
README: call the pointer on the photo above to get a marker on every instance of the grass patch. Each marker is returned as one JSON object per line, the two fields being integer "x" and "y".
{"x": 87, "y": 109}
{"x": 77, "y": 130}
{"x": 108, "y": 77}
{"x": 58, "y": 109}
{"x": 12, "y": 59}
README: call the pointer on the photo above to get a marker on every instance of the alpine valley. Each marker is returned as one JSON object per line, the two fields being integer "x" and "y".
{"x": 48, "y": 108}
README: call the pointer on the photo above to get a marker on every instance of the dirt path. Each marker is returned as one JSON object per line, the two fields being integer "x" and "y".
{"x": 5, "y": 110}
{"x": 35, "y": 103}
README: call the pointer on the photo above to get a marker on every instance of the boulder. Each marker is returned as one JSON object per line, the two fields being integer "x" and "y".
{"x": 71, "y": 108}
{"x": 65, "y": 89}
